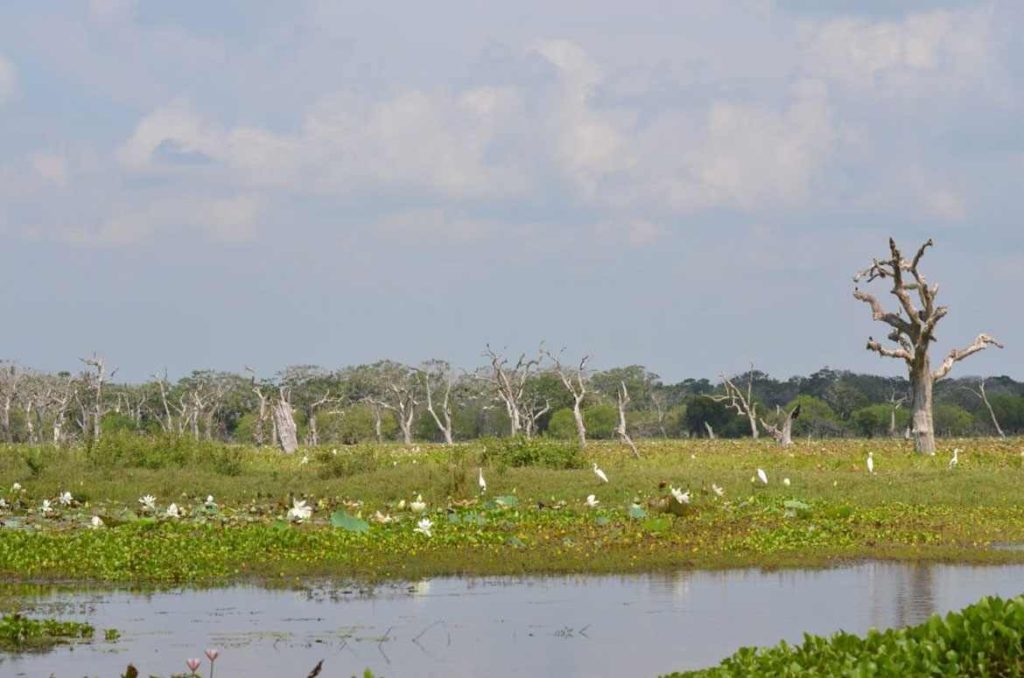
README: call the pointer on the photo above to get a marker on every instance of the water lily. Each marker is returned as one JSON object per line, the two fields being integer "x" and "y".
{"x": 3, "y": 503}
{"x": 401, "y": 505}
{"x": 210, "y": 503}
{"x": 419, "y": 505}
{"x": 681, "y": 497}
{"x": 785, "y": 481}
{"x": 193, "y": 664}
{"x": 299, "y": 511}
{"x": 16, "y": 487}
{"x": 424, "y": 527}
{"x": 592, "y": 501}
{"x": 96, "y": 522}
{"x": 64, "y": 499}
{"x": 382, "y": 518}
{"x": 717, "y": 490}
{"x": 46, "y": 508}
{"x": 305, "y": 459}
{"x": 212, "y": 653}
{"x": 148, "y": 502}
{"x": 173, "y": 511}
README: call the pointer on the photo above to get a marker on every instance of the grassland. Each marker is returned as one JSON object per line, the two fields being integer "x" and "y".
{"x": 531, "y": 519}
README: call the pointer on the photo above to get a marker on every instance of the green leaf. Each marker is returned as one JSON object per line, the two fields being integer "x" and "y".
{"x": 507, "y": 501}
{"x": 348, "y": 522}
{"x": 636, "y": 512}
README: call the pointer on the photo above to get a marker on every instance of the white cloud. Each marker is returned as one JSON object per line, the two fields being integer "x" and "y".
{"x": 8, "y": 80}
{"x": 935, "y": 50}
{"x": 51, "y": 167}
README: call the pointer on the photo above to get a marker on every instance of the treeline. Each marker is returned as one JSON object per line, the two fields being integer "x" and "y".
{"x": 527, "y": 395}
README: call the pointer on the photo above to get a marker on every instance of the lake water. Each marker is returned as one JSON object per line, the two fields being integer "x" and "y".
{"x": 557, "y": 626}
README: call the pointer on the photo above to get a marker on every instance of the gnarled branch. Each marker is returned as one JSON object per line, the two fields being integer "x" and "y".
{"x": 982, "y": 342}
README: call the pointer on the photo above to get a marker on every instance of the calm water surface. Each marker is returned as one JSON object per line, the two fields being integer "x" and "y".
{"x": 578, "y": 626}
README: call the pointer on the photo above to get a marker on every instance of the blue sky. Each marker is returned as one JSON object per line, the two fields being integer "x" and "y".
{"x": 688, "y": 186}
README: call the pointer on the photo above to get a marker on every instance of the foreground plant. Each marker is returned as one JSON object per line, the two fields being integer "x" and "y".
{"x": 19, "y": 633}
{"x": 984, "y": 639}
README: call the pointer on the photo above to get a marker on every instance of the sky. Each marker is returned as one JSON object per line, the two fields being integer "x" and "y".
{"x": 686, "y": 186}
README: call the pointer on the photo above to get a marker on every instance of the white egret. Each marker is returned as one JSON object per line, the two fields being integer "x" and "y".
{"x": 599, "y": 473}
{"x": 955, "y": 459}
{"x": 483, "y": 483}
{"x": 762, "y": 476}
{"x": 871, "y": 462}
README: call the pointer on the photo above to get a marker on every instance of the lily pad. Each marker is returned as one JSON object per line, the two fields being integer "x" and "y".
{"x": 637, "y": 512}
{"x": 349, "y": 522}
{"x": 507, "y": 501}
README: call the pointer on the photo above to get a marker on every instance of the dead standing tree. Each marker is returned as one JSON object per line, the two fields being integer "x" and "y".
{"x": 742, "y": 402}
{"x": 783, "y": 430}
{"x": 284, "y": 421}
{"x": 620, "y": 430}
{"x": 439, "y": 373}
{"x": 509, "y": 384}
{"x": 984, "y": 399}
{"x": 913, "y": 331}
{"x": 94, "y": 382}
{"x": 11, "y": 377}
{"x": 575, "y": 383}
{"x": 397, "y": 392}
{"x": 895, "y": 402}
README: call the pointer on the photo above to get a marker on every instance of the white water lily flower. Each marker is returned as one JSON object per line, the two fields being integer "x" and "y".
{"x": 424, "y": 527}
{"x": 299, "y": 511}
{"x": 3, "y": 503}
{"x": 681, "y": 497}
{"x": 16, "y": 487}
{"x": 173, "y": 511}
{"x": 64, "y": 499}
{"x": 592, "y": 501}
{"x": 785, "y": 481}
{"x": 148, "y": 502}
{"x": 305, "y": 459}
{"x": 717, "y": 490}
{"x": 46, "y": 508}
{"x": 96, "y": 522}
{"x": 419, "y": 505}
{"x": 382, "y": 518}
{"x": 401, "y": 505}
{"x": 210, "y": 503}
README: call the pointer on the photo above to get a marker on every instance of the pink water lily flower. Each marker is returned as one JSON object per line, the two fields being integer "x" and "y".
{"x": 212, "y": 653}
{"x": 193, "y": 665}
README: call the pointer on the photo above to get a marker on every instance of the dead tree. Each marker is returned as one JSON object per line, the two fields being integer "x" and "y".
{"x": 659, "y": 410}
{"x": 575, "y": 383}
{"x": 398, "y": 386}
{"x": 378, "y": 417}
{"x": 532, "y": 411}
{"x": 984, "y": 398}
{"x": 742, "y": 402}
{"x": 61, "y": 396}
{"x": 509, "y": 383}
{"x": 783, "y": 432}
{"x": 441, "y": 372}
{"x": 284, "y": 422}
{"x": 11, "y": 377}
{"x": 894, "y": 404}
{"x": 313, "y": 431}
{"x": 94, "y": 382}
{"x": 620, "y": 430}
{"x": 913, "y": 331}
{"x": 263, "y": 414}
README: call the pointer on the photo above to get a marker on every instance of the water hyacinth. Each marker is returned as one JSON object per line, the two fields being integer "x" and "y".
{"x": 299, "y": 511}
{"x": 424, "y": 526}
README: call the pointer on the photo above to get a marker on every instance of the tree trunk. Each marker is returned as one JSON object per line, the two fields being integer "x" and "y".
{"x": 284, "y": 423}
{"x": 754, "y": 433}
{"x": 922, "y": 428}
{"x": 581, "y": 429}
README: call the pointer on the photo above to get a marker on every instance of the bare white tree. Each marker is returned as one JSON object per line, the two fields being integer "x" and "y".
{"x": 740, "y": 400}
{"x": 437, "y": 375}
{"x": 398, "y": 395}
{"x": 509, "y": 384}
{"x": 783, "y": 430}
{"x": 913, "y": 331}
{"x": 980, "y": 392}
{"x": 895, "y": 402}
{"x": 284, "y": 422}
{"x": 94, "y": 380}
{"x": 620, "y": 430}
{"x": 576, "y": 383}
{"x": 11, "y": 377}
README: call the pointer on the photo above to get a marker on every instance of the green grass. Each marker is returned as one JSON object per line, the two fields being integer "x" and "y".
{"x": 912, "y": 508}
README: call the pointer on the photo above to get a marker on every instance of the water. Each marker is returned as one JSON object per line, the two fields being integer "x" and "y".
{"x": 577, "y": 626}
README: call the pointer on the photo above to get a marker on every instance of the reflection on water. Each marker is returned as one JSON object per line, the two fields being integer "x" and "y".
{"x": 585, "y": 626}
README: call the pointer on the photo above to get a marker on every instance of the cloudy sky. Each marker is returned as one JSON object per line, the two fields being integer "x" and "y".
{"x": 688, "y": 186}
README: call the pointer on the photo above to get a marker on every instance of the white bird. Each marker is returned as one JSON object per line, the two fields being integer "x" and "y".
{"x": 871, "y": 462}
{"x": 681, "y": 497}
{"x": 600, "y": 474}
{"x": 483, "y": 483}
{"x": 762, "y": 475}
{"x": 955, "y": 459}
{"x": 592, "y": 501}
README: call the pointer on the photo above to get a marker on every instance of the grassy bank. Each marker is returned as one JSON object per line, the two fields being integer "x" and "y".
{"x": 531, "y": 519}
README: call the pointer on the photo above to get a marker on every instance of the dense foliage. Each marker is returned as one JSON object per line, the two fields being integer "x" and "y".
{"x": 23, "y": 633}
{"x": 984, "y": 639}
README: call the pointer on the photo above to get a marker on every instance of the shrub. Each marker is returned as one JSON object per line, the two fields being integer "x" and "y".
{"x": 522, "y": 451}
{"x": 984, "y": 639}
{"x": 124, "y": 449}
{"x": 347, "y": 462}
